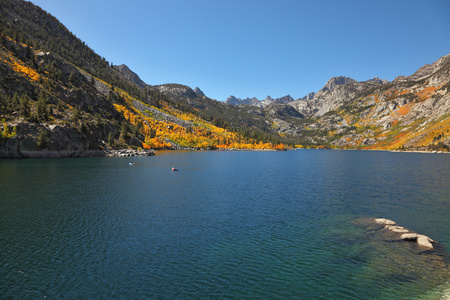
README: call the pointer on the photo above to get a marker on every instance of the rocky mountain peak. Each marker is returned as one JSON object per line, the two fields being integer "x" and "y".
{"x": 130, "y": 75}
{"x": 232, "y": 100}
{"x": 308, "y": 97}
{"x": 427, "y": 69}
{"x": 335, "y": 81}
{"x": 284, "y": 100}
{"x": 199, "y": 92}
{"x": 378, "y": 80}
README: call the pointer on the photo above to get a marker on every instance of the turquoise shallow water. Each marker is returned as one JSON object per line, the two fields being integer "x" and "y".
{"x": 234, "y": 225}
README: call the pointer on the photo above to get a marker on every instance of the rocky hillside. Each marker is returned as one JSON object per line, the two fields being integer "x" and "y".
{"x": 59, "y": 98}
{"x": 411, "y": 112}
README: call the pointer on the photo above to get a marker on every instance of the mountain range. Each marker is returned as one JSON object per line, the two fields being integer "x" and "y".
{"x": 232, "y": 100}
{"x": 58, "y": 98}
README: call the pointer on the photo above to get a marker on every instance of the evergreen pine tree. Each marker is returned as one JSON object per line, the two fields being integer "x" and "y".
{"x": 110, "y": 139}
{"x": 76, "y": 115}
{"x": 59, "y": 106}
{"x": 124, "y": 130}
{"x": 42, "y": 112}
{"x": 5, "y": 130}
{"x": 42, "y": 138}
{"x": 24, "y": 109}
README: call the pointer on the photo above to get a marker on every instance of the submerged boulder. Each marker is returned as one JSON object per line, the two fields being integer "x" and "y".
{"x": 385, "y": 222}
{"x": 397, "y": 229}
{"x": 409, "y": 236}
{"x": 422, "y": 240}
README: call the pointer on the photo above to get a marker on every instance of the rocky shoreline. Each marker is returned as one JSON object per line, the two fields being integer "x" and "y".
{"x": 83, "y": 153}
{"x": 129, "y": 153}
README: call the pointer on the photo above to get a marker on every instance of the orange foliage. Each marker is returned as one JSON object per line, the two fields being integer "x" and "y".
{"x": 280, "y": 147}
{"x": 421, "y": 138}
{"x": 145, "y": 146}
{"x": 432, "y": 130}
{"x": 202, "y": 134}
{"x": 20, "y": 67}
{"x": 404, "y": 109}
{"x": 399, "y": 136}
{"x": 155, "y": 143}
{"x": 30, "y": 73}
{"x": 404, "y": 92}
{"x": 423, "y": 94}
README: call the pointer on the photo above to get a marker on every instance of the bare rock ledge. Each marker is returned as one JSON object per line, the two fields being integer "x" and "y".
{"x": 422, "y": 240}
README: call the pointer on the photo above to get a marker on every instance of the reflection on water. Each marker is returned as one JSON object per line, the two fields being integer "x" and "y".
{"x": 226, "y": 225}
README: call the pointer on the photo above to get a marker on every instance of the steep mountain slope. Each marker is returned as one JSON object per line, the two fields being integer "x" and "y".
{"x": 59, "y": 98}
{"x": 412, "y": 112}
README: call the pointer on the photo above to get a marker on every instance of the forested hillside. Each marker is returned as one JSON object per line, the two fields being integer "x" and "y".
{"x": 60, "y": 98}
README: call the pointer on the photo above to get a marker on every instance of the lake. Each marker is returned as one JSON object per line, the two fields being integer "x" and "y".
{"x": 233, "y": 225}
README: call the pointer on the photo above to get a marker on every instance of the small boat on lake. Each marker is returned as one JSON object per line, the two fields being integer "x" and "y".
{"x": 131, "y": 163}
{"x": 174, "y": 169}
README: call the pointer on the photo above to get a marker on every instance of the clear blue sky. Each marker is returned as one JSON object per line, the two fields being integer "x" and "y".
{"x": 255, "y": 48}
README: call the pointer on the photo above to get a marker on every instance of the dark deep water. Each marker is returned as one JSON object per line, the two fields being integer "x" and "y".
{"x": 234, "y": 225}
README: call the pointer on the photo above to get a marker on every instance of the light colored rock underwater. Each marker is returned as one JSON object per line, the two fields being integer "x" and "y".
{"x": 422, "y": 240}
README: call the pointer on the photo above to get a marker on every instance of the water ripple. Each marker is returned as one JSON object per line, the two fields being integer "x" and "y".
{"x": 228, "y": 225}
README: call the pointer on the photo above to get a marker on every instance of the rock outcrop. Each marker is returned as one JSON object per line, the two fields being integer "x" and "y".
{"x": 199, "y": 92}
{"x": 33, "y": 140}
{"x": 130, "y": 75}
{"x": 180, "y": 90}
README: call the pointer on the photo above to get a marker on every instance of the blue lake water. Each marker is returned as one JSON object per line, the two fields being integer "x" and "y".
{"x": 233, "y": 225}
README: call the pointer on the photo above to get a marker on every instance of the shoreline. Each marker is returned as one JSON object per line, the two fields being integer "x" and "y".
{"x": 152, "y": 152}
{"x": 385, "y": 150}
{"x": 77, "y": 154}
